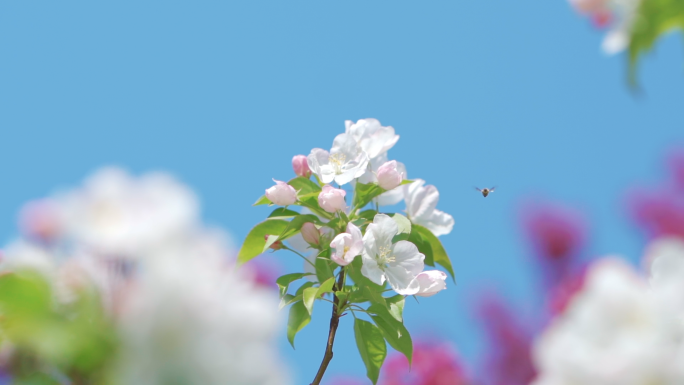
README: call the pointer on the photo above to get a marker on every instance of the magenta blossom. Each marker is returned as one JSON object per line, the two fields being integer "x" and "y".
{"x": 508, "y": 359}
{"x": 676, "y": 163}
{"x": 658, "y": 213}
{"x": 562, "y": 294}
{"x": 557, "y": 235}
{"x": 433, "y": 364}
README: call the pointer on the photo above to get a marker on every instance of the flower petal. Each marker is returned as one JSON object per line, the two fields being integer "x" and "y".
{"x": 421, "y": 201}
{"x": 407, "y": 256}
{"x": 371, "y": 270}
{"x": 384, "y": 229}
{"x": 440, "y": 223}
{"x": 402, "y": 281}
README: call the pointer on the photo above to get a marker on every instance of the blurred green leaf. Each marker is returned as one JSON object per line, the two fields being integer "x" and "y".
{"x": 298, "y": 319}
{"x": 371, "y": 345}
{"x": 654, "y": 18}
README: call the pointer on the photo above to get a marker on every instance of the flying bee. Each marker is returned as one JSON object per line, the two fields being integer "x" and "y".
{"x": 485, "y": 191}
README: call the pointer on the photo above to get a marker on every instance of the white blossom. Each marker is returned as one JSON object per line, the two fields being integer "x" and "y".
{"x": 345, "y": 161}
{"x": 373, "y": 138}
{"x": 421, "y": 203}
{"x": 398, "y": 263}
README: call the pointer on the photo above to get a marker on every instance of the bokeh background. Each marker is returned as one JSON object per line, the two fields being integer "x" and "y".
{"x": 223, "y": 94}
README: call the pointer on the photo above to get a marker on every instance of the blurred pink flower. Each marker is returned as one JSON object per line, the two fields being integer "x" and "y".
{"x": 676, "y": 165}
{"x": 508, "y": 360}
{"x": 263, "y": 271}
{"x": 433, "y": 364}
{"x": 658, "y": 213}
{"x": 559, "y": 297}
{"x": 557, "y": 234}
{"x": 39, "y": 220}
{"x": 346, "y": 381}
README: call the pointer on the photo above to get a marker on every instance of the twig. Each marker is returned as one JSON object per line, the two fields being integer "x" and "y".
{"x": 334, "y": 322}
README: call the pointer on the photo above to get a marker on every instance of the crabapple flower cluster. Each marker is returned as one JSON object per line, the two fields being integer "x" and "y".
{"x": 353, "y": 253}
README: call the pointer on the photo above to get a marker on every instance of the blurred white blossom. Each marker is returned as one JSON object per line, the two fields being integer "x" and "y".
{"x": 184, "y": 312}
{"x": 619, "y": 329}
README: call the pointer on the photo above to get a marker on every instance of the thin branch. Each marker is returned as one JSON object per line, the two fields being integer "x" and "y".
{"x": 303, "y": 257}
{"x": 334, "y": 322}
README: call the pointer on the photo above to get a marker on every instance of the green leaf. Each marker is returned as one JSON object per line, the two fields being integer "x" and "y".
{"x": 404, "y": 227}
{"x": 393, "y": 331}
{"x": 395, "y": 306}
{"x": 423, "y": 246}
{"x": 368, "y": 215}
{"x": 311, "y": 202}
{"x": 371, "y": 345}
{"x": 364, "y": 193}
{"x": 262, "y": 201}
{"x": 287, "y": 299}
{"x": 295, "y": 225}
{"x": 310, "y": 294}
{"x": 255, "y": 241}
{"x": 654, "y": 19}
{"x": 438, "y": 253}
{"x": 406, "y": 181}
{"x": 326, "y": 287}
{"x": 325, "y": 268}
{"x": 284, "y": 281}
{"x": 298, "y": 319}
{"x": 304, "y": 286}
{"x": 368, "y": 290}
{"x": 304, "y": 186}
{"x": 282, "y": 212}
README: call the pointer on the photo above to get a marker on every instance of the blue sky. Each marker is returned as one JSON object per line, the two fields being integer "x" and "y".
{"x": 223, "y": 94}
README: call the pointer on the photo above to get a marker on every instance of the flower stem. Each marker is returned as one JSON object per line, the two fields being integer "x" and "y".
{"x": 334, "y": 322}
{"x": 303, "y": 257}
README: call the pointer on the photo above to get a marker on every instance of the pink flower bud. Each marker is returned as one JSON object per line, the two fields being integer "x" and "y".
{"x": 431, "y": 282}
{"x": 311, "y": 234}
{"x": 301, "y": 166}
{"x": 277, "y": 245}
{"x": 332, "y": 199}
{"x": 388, "y": 175}
{"x": 281, "y": 194}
